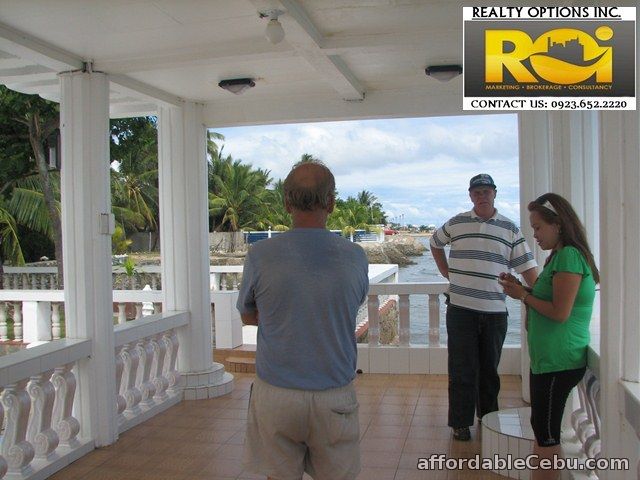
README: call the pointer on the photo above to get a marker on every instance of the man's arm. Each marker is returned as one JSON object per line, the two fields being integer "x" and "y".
{"x": 250, "y": 318}
{"x": 530, "y": 276}
{"x": 441, "y": 261}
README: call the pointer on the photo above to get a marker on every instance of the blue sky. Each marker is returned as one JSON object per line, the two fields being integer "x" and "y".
{"x": 418, "y": 168}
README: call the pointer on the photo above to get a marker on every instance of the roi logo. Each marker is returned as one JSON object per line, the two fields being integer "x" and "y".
{"x": 562, "y": 56}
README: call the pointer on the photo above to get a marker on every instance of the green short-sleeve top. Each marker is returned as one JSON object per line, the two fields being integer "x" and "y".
{"x": 555, "y": 346}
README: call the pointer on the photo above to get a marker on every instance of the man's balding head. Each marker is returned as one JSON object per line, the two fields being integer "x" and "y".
{"x": 309, "y": 186}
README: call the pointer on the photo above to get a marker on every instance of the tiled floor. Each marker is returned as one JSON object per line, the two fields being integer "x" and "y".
{"x": 402, "y": 417}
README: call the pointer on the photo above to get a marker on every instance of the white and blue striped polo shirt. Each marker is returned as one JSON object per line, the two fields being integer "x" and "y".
{"x": 480, "y": 251}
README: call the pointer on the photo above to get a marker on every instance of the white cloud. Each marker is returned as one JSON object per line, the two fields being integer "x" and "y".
{"x": 416, "y": 167}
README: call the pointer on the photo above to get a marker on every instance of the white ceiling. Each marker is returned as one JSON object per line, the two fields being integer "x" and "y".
{"x": 339, "y": 59}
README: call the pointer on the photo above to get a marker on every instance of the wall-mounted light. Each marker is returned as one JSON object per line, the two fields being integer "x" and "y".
{"x": 274, "y": 31}
{"x": 237, "y": 85}
{"x": 443, "y": 73}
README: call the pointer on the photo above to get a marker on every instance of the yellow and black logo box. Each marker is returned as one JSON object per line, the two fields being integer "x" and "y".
{"x": 549, "y": 52}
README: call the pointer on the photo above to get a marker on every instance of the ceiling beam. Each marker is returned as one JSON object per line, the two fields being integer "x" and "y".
{"x": 306, "y": 39}
{"x": 25, "y": 46}
{"x": 41, "y": 54}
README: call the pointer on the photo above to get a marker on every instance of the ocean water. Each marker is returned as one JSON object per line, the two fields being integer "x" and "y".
{"x": 425, "y": 270}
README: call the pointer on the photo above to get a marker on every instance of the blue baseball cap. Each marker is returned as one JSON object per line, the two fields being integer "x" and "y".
{"x": 481, "y": 180}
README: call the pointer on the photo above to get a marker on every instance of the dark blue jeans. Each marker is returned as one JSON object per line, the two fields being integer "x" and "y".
{"x": 475, "y": 343}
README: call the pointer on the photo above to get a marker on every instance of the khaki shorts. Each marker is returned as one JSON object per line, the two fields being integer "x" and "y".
{"x": 294, "y": 431}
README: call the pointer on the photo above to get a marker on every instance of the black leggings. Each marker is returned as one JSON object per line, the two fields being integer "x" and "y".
{"x": 549, "y": 392}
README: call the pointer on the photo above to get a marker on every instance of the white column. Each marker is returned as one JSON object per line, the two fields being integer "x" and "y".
{"x": 86, "y": 232}
{"x": 558, "y": 153}
{"x": 620, "y": 270}
{"x": 184, "y": 244}
{"x": 535, "y": 167}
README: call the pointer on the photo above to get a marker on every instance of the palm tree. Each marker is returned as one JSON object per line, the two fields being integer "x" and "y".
{"x": 10, "y": 248}
{"x": 238, "y": 197}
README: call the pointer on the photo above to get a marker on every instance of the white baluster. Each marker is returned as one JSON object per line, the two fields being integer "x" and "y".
{"x": 17, "y": 321}
{"x": 147, "y": 389}
{"x": 34, "y": 282}
{"x": 15, "y": 449}
{"x": 223, "y": 281}
{"x": 25, "y": 281}
{"x": 64, "y": 423}
{"x": 131, "y": 393}
{"x": 122, "y": 313}
{"x": 56, "y": 327}
{"x": 16, "y": 282}
{"x": 4, "y": 329}
{"x": 138, "y": 311}
{"x": 434, "y": 320}
{"x": 235, "y": 281}
{"x": 159, "y": 381}
{"x": 147, "y": 307}
{"x": 154, "y": 281}
{"x": 3, "y": 462}
{"x": 173, "y": 376}
{"x": 373, "y": 306}
{"x": 120, "y": 401}
{"x": 39, "y": 433}
{"x": 405, "y": 329}
{"x": 216, "y": 281}
{"x": 52, "y": 282}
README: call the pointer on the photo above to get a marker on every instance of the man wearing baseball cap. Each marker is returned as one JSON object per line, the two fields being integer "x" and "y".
{"x": 483, "y": 243}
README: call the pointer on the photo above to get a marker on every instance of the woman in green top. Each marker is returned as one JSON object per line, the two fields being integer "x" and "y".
{"x": 559, "y": 311}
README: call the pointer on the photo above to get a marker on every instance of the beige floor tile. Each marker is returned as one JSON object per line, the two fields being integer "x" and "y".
{"x": 382, "y": 445}
{"x": 376, "y": 460}
{"x": 377, "y": 474}
{"x": 388, "y": 431}
{"x": 402, "y": 418}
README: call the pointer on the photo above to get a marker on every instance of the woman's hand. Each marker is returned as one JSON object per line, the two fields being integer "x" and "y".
{"x": 509, "y": 278}
{"x": 511, "y": 288}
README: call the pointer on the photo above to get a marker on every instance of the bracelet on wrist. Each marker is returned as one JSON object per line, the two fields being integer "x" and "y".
{"x": 523, "y": 298}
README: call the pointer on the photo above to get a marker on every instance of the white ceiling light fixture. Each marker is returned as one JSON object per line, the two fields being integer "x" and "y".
{"x": 274, "y": 31}
{"x": 237, "y": 85}
{"x": 443, "y": 73}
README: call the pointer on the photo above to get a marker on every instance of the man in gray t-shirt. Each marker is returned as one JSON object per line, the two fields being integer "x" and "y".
{"x": 303, "y": 289}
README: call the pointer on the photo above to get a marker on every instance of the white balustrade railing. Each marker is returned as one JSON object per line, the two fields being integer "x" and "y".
{"x": 146, "y": 375}
{"x": 36, "y": 404}
{"x": 403, "y": 291}
{"x": 223, "y": 277}
{"x": 585, "y": 419}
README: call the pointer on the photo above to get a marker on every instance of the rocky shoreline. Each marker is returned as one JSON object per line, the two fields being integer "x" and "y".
{"x": 397, "y": 249}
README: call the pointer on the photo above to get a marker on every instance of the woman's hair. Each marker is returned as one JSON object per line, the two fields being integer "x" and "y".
{"x": 309, "y": 192}
{"x": 554, "y": 209}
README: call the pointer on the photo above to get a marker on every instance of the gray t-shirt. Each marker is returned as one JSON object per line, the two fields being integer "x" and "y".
{"x": 307, "y": 285}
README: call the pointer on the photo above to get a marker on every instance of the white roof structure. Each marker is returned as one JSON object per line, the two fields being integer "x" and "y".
{"x": 337, "y": 60}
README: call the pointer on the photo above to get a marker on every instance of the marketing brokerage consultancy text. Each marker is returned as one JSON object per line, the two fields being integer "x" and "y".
{"x": 549, "y": 58}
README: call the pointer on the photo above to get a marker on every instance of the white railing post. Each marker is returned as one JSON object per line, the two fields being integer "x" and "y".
{"x": 132, "y": 394}
{"x": 122, "y": 313}
{"x": 434, "y": 320}
{"x": 121, "y": 403}
{"x": 15, "y": 448}
{"x": 17, "y": 321}
{"x": 64, "y": 423}
{"x": 170, "y": 372}
{"x": 373, "y": 306}
{"x": 159, "y": 380}
{"x": 4, "y": 329}
{"x": 404, "y": 320}
{"x": 56, "y": 327}
{"x": 147, "y": 389}
{"x": 36, "y": 320}
{"x": 39, "y": 433}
